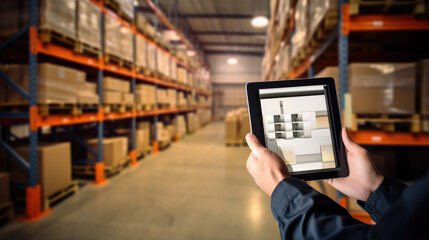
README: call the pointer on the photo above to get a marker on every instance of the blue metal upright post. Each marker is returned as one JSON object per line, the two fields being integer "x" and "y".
{"x": 155, "y": 121}
{"x": 311, "y": 71}
{"x": 343, "y": 52}
{"x": 133, "y": 151}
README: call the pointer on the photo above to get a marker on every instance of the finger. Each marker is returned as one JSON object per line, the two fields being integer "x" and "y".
{"x": 254, "y": 144}
{"x": 348, "y": 142}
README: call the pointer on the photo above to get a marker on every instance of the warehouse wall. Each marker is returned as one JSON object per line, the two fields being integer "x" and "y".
{"x": 229, "y": 81}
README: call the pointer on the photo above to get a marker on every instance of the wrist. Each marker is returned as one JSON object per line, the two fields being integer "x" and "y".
{"x": 377, "y": 182}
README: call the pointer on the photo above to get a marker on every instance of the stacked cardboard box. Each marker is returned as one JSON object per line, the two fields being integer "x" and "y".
{"x": 145, "y": 94}
{"x": 58, "y": 16}
{"x": 172, "y": 97}
{"x": 4, "y": 188}
{"x": 191, "y": 100}
{"x": 87, "y": 93}
{"x": 160, "y": 61}
{"x": 141, "y": 52}
{"x": 181, "y": 100}
{"x": 237, "y": 125}
{"x": 181, "y": 126}
{"x": 173, "y": 70}
{"x": 54, "y": 163}
{"x": 116, "y": 91}
{"x": 55, "y": 84}
{"x": 118, "y": 39}
{"x": 382, "y": 88}
{"x": 115, "y": 150}
{"x": 88, "y": 23}
{"x": 317, "y": 12}
{"x": 161, "y": 97}
{"x": 144, "y": 136}
{"x": 127, "y": 8}
{"x": 182, "y": 76}
{"x": 151, "y": 51}
{"x": 191, "y": 120}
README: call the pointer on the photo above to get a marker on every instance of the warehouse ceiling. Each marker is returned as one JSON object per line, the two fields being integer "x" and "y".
{"x": 219, "y": 26}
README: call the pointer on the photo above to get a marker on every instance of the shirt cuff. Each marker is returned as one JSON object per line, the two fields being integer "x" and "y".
{"x": 284, "y": 193}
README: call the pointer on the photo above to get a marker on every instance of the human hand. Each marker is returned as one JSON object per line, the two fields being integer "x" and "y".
{"x": 363, "y": 177}
{"x": 266, "y": 167}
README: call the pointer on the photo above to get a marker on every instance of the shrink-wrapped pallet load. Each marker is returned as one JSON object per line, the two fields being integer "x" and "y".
{"x": 88, "y": 23}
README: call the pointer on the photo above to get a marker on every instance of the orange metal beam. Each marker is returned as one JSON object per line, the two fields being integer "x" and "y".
{"x": 393, "y": 139}
{"x": 300, "y": 69}
{"x": 61, "y": 120}
{"x": 387, "y": 23}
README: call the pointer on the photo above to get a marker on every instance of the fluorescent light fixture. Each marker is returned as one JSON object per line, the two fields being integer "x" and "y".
{"x": 259, "y": 21}
{"x": 232, "y": 61}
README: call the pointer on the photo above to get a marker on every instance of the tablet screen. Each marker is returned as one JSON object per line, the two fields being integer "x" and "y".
{"x": 297, "y": 126}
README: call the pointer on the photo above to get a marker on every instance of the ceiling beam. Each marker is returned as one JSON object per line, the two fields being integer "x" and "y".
{"x": 239, "y": 44}
{"x": 230, "y": 16}
{"x": 211, "y": 52}
{"x": 229, "y": 33}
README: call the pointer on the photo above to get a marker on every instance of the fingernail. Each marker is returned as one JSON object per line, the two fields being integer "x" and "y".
{"x": 249, "y": 136}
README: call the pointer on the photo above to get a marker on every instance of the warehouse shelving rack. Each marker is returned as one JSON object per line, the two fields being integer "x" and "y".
{"x": 359, "y": 23}
{"x": 347, "y": 24}
{"x": 36, "y": 121}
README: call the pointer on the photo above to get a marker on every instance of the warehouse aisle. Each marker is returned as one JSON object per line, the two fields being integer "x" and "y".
{"x": 196, "y": 189}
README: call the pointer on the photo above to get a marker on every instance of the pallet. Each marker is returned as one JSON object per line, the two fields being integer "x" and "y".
{"x": 85, "y": 49}
{"x": 59, "y": 108}
{"x": 119, "y": 107}
{"x": 363, "y": 7}
{"x": 109, "y": 58}
{"x": 145, "y": 71}
{"x": 60, "y": 195}
{"x": 51, "y": 36}
{"x": 163, "y": 144}
{"x": 112, "y": 4}
{"x": 144, "y": 153}
{"x": 6, "y": 212}
{"x": 386, "y": 122}
{"x": 89, "y": 169}
{"x": 145, "y": 107}
{"x": 163, "y": 105}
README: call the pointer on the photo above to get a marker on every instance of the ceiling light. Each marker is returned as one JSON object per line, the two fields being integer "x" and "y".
{"x": 259, "y": 21}
{"x": 232, "y": 61}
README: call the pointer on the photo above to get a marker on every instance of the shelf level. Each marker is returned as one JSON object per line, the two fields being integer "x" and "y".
{"x": 363, "y": 23}
{"x": 392, "y": 139}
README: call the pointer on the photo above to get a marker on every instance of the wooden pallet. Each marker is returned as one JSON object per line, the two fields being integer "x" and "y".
{"x": 363, "y": 7}
{"x": 112, "y": 4}
{"x": 145, "y": 107}
{"x": 109, "y": 58}
{"x": 144, "y": 154}
{"x": 386, "y": 122}
{"x": 60, "y": 195}
{"x": 163, "y": 105}
{"x": 51, "y": 36}
{"x": 87, "y": 50}
{"x": 59, "y": 108}
{"x": 119, "y": 107}
{"x": 6, "y": 212}
{"x": 109, "y": 171}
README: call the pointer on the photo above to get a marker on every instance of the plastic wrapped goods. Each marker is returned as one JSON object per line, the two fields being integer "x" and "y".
{"x": 88, "y": 23}
{"x": 318, "y": 11}
{"x": 58, "y": 16}
{"x": 141, "y": 52}
{"x": 301, "y": 26}
{"x": 127, "y": 7}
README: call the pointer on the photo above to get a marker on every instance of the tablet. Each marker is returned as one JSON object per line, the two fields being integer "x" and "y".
{"x": 299, "y": 120}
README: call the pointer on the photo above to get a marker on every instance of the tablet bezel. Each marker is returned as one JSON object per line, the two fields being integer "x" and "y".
{"x": 257, "y": 128}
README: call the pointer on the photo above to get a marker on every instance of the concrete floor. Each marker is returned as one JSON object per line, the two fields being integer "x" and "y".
{"x": 196, "y": 189}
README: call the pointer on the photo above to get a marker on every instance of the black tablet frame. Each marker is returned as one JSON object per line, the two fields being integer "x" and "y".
{"x": 256, "y": 122}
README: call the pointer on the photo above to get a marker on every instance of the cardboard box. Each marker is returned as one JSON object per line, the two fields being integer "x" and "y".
{"x": 423, "y": 87}
{"x": 115, "y": 84}
{"x": 87, "y": 93}
{"x": 151, "y": 51}
{"x": 382, "y": 88}
{"x": 88, "y": 23}
{"x": 112, "y": 97}
{"x": 115, "y": 150}
{"x": 54, "y": 167}
{"x": 141, "y": 52}
{"x": 182, "y": 75}
{"x": 127, "y": 98}
{"x": 4, "y": 187}
{"x": 181, "y": 126}
{"x": 55, "y": 84}
{"x": 147, "y": 141}
{"x": 231, "y": 128}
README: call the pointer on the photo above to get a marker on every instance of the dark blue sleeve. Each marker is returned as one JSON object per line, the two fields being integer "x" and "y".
{"x": 383, "y": 198}
{"x": 303, "y": 213}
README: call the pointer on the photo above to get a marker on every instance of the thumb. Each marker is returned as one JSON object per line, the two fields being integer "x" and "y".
{"x": 254, "y": 143}
{"x": 348, "y": 142}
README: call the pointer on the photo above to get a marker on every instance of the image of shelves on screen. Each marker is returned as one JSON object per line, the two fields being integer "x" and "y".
{"x": 296, "y": 127}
